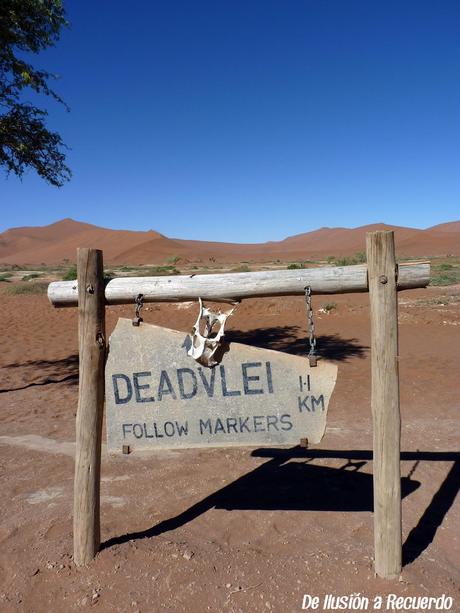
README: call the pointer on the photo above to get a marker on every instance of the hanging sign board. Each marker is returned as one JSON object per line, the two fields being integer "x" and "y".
{"x": 158, "y": 397}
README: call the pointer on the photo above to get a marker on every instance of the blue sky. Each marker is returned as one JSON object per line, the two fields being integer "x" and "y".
{"x": 251, "y": 121}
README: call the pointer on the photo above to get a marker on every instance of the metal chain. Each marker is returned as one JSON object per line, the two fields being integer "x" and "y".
{"x": 139, "y": 304}
{"x": 312, "y": 357}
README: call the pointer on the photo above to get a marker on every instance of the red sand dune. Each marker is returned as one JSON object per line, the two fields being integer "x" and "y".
{"x": 453, "y": 226}
{"x": 58, "y": 242}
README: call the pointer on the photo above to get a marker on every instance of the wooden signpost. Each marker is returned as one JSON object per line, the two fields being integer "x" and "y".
{"x": 252, "y": 397}
{"x": 385, "y": 403}
{"x": 91, "y": 336}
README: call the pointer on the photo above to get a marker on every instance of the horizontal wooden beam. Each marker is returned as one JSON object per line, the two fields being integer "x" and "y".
{"x": 237, "y": 286}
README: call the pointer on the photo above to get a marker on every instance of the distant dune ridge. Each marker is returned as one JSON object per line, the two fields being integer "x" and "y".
{"x": 57, "y": 242}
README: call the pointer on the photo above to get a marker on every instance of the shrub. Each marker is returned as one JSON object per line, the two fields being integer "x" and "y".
{"x": 243, "y": 268}
{"x": 160, "y": 270}
{"x": 358, "y": 258}
{"x": 344, "y": 262}
{"x": 27, "y": 288}
{"x": 70, "y": 274}
{"x": 294, "y": 266}
{"x": 33, "y": 275}
{"x": 108, "y": 276}
{"x": 445, "y": 279}
{"x": 445, "y": 274}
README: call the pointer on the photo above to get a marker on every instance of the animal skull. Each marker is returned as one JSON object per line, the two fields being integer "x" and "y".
{"x": 204, "y": 346}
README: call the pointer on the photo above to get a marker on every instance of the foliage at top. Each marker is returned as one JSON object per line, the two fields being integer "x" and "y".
{"x": 28, "y": 27}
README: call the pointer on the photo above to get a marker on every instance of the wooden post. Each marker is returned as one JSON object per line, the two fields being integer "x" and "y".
{"x": 91, "y": 333}
{"x": 385, "y": 403}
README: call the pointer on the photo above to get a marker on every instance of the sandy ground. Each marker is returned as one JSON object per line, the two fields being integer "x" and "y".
{"x": 242, "y": 530}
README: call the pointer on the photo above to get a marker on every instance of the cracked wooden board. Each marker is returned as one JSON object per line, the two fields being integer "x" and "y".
{"x": 157, "y": 397}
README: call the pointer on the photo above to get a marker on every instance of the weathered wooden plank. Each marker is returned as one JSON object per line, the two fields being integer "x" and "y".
{"x": 158, "y": 397}
{"x": 385, "y": 404}
{"x": 237, "y": 286}
{"x": 91, "y": 332}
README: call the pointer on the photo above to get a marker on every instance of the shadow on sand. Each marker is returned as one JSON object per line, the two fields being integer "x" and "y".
{"x": 292, "y": 339}
{"x": 45, "y": 371}
{"x": 280, "y": 484}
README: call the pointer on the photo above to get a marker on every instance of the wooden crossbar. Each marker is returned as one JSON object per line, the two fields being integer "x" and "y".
{"x": 237, "y": 286}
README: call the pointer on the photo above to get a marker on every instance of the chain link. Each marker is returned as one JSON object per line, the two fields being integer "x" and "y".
{"x": 139, "y": 304}
{"x": 311, "y": 324}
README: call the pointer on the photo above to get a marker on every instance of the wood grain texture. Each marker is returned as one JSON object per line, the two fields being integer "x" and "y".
{"x": 385, "y": 403}
{"x": 237, "y": 286}
{"x": 91, "y": 331}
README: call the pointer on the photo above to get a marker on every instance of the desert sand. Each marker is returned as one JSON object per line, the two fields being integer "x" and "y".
{"x": 238, "y": 530}
{"x": 58, "y": 242}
